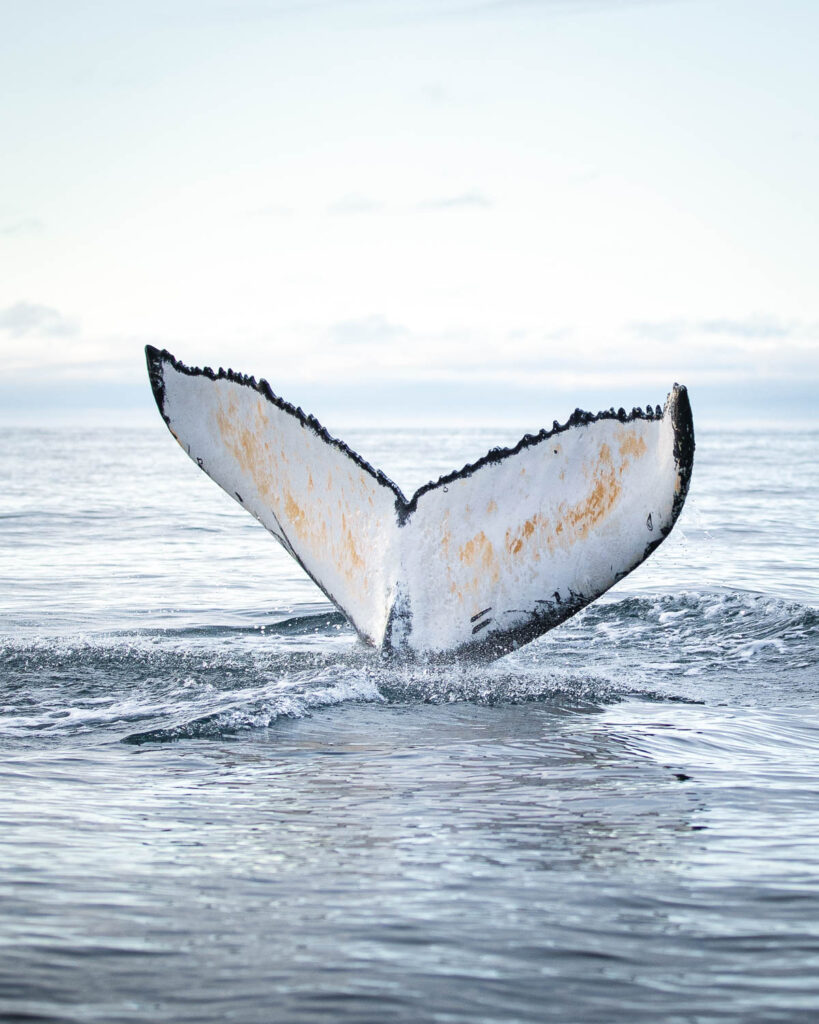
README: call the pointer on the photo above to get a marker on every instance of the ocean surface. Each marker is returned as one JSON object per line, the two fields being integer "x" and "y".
{"x": 217, "y": 806}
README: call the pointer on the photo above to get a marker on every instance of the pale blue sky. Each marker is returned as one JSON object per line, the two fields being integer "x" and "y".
{"x": 398, "y": 208}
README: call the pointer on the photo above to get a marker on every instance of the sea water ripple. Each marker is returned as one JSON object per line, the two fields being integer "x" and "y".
{"x": 217, "y": 805}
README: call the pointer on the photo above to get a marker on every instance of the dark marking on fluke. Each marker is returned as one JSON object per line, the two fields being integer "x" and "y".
{"x": 501, "y": 641}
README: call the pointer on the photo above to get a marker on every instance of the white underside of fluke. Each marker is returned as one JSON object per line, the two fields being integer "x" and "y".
{"x": 483, "y": 560}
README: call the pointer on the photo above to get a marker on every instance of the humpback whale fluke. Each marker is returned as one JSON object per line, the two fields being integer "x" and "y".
{"x": 476, "y": 564}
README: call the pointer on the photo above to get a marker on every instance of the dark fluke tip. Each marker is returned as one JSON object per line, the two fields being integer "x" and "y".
{"x": 155, "y": 358}
{"x": 682, "y": 420}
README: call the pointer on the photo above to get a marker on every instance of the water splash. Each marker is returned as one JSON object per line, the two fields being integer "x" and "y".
{"x": 157, "y": 685}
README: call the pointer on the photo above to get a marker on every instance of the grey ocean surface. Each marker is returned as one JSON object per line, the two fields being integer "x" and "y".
{"x": 216, "y": 805}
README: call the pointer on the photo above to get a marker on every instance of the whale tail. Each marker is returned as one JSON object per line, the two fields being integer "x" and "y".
{"x": 477, "y": 563}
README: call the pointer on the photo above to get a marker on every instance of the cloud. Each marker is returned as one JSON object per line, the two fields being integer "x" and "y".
{"x": 359, "y": 204}
{"x": 368, "y": 330}
{"x": 23, "y": 226}
{"x": 556, "y": 6}
{"x": 354, "y": 204}
{"x": 271, "y": 210}
{"x": 464, "y": 201}
{"x": 435, "y": 92}
{"x": 565, "y": 357}
{"x": 751, "y": 328}
{"x": 25, "y": 318}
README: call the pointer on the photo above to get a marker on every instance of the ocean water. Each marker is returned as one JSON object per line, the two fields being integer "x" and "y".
{"x": 216, "y": 805}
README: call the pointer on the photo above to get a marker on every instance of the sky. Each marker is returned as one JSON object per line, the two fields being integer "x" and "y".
{"x": 476, "y": 211}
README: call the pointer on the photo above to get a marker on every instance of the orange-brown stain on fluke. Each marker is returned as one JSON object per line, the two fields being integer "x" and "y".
{"x": 445, "y": 543}
{"x": 580, "y": 518}
{"x": 312, "y": 533}
{"x": 295, "y": 515}
{"x": 478, "y": 562}
{"x": 575, "y": 522}
{"x": 243, "y": 444}
{"x": 537, "y": 526}
{"x": 267, "y": 468}
{"x": 632, "y": 444}
{"x": 515, "y": 539}
{"x": 478, "y": 554}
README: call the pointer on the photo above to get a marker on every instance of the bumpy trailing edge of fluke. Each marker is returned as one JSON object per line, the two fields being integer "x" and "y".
{"x": 483, "y": 560}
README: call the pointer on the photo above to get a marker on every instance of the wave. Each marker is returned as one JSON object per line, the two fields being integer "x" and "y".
{"x": 197, "y": 682}
{"x": 297, "y": 625}
{"x": 731, "y": 627}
